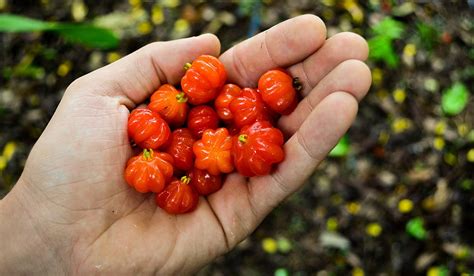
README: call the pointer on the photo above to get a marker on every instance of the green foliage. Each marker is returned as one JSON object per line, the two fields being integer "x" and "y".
{"x": 27, "y": 71}
{"x": 246, "y": 6}
{"x": 428, "y": 35}
{"x": 30, "y": 71}
{"x": 381, "y": 44}
{"x": 415, "y": 228}
{"x": 88, "y": 35}
{"x": 49, "y": 53}
{"x": 15, "y": 23}
{"x": 467, "y": 184}
{"x": 441, "y": 271}
{"x": 281, "y": 272}
{"x": 455, "y": 99}
{"x": 389, "y": 28}
{"x": 381, "y": 49}
{"x": 284, "y": 245}
{"x": 471, "y": 53}
{"x": 85, "y": 34}
{"x": 342, "y": 148}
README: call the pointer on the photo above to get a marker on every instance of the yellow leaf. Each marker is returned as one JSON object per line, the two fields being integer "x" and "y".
{"x": 373, "y": 229}
{"x": 409, "y": 50}
{"x": 405, "y": 206}
{"x": 9, "y": 150}
{"x": 270, "y": 245}
{"x": 144, "y": 28}
{"x": 113, "y": 56}
{"x": 78, "y": 10}
{"x": 399, "y": 95}
{"x": 64, "y": 68}
{"x": 438, "y": 143}
{"x": 157, "y": 16}
{"x": 470, "y": 155}
{"x": 3, "y": 162}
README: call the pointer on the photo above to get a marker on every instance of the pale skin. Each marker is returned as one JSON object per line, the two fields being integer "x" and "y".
{"x": 71, "y": 211}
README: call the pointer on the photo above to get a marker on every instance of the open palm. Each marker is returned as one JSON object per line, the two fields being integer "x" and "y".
{"x": 87, "y": 219}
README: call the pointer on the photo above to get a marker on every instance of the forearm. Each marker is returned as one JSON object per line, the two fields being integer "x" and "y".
{"x": 22, "y": 250}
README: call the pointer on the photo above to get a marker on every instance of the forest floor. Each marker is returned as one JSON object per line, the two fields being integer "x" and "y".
{"x": 397, "y": 196}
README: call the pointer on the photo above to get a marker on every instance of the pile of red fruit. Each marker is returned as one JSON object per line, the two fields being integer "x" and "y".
{"x": 205, "y": 132}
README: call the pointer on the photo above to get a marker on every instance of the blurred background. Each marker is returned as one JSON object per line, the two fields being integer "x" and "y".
{"x": 396, "y": 197}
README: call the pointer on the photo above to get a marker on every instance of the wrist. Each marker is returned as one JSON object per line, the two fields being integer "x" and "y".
{"x": 22, "y": 249}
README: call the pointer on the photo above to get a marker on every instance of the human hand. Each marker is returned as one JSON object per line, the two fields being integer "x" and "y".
{"x": 71, "y": 210}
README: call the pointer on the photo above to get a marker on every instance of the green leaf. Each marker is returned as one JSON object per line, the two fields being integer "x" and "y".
{"x": 16, "y": 23}
{"x": 443, "y": 271}
{"x": 415, "y": 228}
{"x": 88, "y": 35}
{"x": 246, "y": 6}
{"x": 284, "y": 245}
{"x": 85, "y": 34}
{"x": 389, "y": 28}
{"x": 281, "y": 272}
{"x": 455, "y": 99}
{"x": 30, "y": 71}
{"x": 380, "y": 48}
{"x": 428, "y": 35}
{"x": 342, "y": 148}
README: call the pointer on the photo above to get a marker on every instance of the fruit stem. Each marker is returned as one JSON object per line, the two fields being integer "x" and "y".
{"x": 297, "y": 85}
{"x": 243, "y": 138}
{"x": 181, "y": 97}
{"x": 147, "y": 154}
{"x": 185, "y": 179}
{"x": 187, "y": 66}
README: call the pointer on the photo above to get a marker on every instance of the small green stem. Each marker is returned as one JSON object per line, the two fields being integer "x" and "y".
{"x": 181, "y": 97}
{"x": 187, "y": 66}
{"x": 185, "y": 179}
{"x": 243, "y": 138}
{"x": 147, "y": 154}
